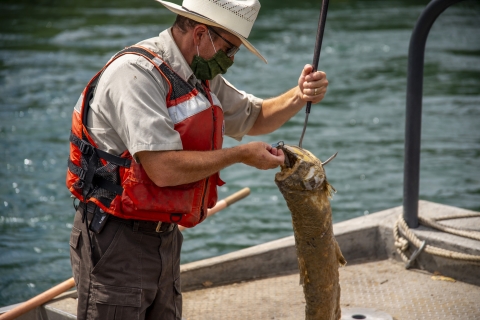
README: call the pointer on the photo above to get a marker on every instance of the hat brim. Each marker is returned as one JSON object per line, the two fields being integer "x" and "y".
{"x": 202, "y": 19}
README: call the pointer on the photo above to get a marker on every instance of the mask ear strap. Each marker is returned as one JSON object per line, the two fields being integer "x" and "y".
{"x": 211, "y": 40}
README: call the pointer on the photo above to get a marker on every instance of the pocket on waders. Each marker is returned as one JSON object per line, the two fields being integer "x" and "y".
{"x": 117, "y": 303}
{"x": 74, "y": 253}
{"x": 106, "y": 244}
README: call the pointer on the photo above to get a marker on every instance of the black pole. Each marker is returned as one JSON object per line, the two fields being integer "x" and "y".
{"x": 413, "y": 123}
{"x": 316, "y": 57}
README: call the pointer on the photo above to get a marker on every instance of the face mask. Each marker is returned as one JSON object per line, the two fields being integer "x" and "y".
{"x": 205, "y": 69}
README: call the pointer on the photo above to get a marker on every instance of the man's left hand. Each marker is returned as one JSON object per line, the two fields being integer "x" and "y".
{"x": 313, "y": 86}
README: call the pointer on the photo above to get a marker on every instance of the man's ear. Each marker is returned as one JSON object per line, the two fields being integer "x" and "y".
{"x": 199, "y": 31}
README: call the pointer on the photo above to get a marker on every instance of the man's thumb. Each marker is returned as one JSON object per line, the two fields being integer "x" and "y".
{"x": 307, "y": 69}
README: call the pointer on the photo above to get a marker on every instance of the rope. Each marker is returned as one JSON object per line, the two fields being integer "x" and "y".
{"x": 407, "y": 236}
{"x": 475, "y": 235}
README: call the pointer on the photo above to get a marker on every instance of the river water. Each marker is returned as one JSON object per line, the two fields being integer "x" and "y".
{"x": 50, "y": 49}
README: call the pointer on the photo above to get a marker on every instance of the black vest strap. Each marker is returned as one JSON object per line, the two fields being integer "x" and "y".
{"x": 136, "y": 50}
{"x": 97, "y": 181}
{"x": 87, "y": 148}
{"x": 76, "y": 170}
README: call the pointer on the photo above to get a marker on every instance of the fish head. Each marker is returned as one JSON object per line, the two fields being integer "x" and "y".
{"x": 302, "y": 171}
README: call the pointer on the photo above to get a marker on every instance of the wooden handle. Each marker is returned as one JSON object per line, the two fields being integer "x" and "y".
{"x": 239, "y": 195}
{"x": 38, "y": 300}
{"x": 222, "y": 204}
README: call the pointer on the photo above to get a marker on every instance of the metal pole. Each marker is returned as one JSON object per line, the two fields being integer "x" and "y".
{"x": 413, "y": 123}
{"x": 316, "y": 58}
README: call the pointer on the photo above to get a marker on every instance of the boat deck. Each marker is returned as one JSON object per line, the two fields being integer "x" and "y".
{"x": 374, "y": 290}
{"x": 380, "y": 290}
{"x": 261, "y": 282}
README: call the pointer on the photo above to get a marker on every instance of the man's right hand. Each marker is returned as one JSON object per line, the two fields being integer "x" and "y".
{"x": 262, "y": 156}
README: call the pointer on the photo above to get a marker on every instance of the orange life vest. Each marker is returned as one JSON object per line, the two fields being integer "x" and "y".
{"x": 120, "y": 186}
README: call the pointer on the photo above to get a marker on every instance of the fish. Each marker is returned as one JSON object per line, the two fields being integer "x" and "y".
{"x": 303, "y": 184}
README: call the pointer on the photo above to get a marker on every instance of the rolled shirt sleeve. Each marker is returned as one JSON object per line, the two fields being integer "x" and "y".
{"x": 240, "y": 109}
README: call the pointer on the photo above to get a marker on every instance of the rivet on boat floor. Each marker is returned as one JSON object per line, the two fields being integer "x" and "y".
{"x": 382, "y": 285}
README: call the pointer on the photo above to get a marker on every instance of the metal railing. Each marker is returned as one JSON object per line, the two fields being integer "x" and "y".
{"x": 413, "y": 123}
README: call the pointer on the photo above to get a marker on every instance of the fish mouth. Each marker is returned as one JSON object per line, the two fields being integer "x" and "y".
{"x": 301, "y": 168}
{"x": 302, "y": 171}
{"x": 293, "y": 154}
{"x": 291, "y": 157}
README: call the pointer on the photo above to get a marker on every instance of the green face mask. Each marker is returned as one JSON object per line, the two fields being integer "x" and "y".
{"x": 205, "y": 69}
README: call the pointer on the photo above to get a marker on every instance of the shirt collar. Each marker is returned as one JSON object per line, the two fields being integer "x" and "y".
{"x": 172, "y": 55}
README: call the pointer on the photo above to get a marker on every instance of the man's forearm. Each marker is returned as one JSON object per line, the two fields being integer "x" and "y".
{"x": 171, "y": 168}
{"x": 276, "y": 111}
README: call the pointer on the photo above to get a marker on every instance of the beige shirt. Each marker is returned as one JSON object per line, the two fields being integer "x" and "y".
{"x": 129, "y": 109}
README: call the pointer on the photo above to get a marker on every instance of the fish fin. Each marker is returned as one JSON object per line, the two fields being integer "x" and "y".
{"x": 341, "y": 258}
{"x": 303, "y": 272}
{"x": 329, "y": 189}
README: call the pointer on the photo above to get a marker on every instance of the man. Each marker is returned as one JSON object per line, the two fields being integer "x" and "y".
{"x": 146, "y": 149}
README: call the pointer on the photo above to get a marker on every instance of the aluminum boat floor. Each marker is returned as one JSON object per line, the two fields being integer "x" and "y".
{"x": 384, "y": 286}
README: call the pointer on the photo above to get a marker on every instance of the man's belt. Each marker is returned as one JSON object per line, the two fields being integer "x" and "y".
{"x": 146, "y": 226}
{"x": 140, "y": 225}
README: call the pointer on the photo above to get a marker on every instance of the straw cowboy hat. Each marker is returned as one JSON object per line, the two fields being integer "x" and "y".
{"x": 235, "y": 16}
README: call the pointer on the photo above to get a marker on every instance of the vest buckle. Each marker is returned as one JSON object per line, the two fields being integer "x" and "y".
{"x": 85, "y": 147}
